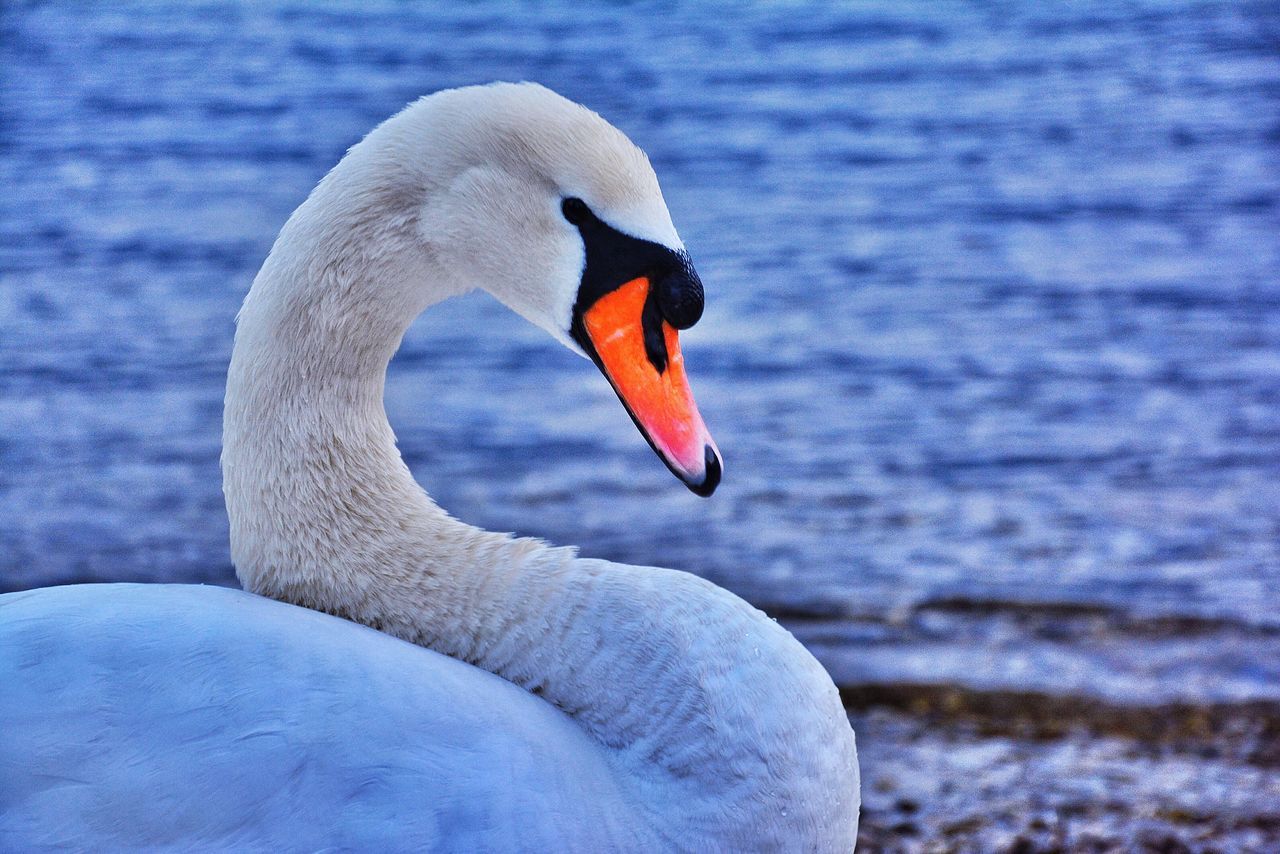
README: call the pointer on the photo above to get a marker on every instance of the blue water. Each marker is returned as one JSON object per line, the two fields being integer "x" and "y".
{"x": 992, "y": 342}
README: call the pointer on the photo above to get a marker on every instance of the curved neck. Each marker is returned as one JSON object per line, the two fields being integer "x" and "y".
{"x": 704, "y": 702}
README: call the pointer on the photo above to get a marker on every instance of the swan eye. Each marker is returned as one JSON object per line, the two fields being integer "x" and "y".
{"x": 575, "y": 210}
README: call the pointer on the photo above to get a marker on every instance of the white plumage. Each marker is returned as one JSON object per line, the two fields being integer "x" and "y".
{"x": 561, "y": 703}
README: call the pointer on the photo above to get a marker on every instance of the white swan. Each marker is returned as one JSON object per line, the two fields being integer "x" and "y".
{"x": 562, "y": 704}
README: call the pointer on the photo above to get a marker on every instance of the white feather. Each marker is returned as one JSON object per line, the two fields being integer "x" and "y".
{"x": 637, "y": 708}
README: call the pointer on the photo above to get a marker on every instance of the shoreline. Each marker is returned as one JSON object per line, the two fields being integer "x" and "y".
{"x": 931, "y": 784}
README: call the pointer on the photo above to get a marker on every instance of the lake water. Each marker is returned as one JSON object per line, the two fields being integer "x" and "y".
{"x": 992, "y": 340}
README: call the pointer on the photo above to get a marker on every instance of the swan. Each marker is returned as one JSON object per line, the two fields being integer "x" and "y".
{"x": 442, "y": 687}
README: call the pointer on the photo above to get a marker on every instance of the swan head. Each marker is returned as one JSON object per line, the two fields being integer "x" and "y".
{"x": 554, "y": 211}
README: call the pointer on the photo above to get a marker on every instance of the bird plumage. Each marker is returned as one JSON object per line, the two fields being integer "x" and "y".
{"x": 560, "y": 703}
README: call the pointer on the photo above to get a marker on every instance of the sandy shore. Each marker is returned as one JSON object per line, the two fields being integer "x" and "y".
{"x": 953, "y": 780}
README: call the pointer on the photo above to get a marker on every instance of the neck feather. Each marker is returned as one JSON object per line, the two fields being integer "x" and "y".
{"x": 710, "y": 707}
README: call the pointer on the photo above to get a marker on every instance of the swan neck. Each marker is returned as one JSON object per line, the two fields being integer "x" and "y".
{"x": 705, "y": 705}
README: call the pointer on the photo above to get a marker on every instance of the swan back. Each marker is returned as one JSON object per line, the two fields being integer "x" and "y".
{"x": 182, "y": 717}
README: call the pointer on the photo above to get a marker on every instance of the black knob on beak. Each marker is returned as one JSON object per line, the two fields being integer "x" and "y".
{"x": 680, "y": 297}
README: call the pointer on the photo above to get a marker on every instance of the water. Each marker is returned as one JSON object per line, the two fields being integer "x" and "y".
{"x": 992, "y": 344}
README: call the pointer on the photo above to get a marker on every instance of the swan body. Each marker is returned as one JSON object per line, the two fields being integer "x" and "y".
{"x": 295, "y": 762}
{"x": 560, "y": 703}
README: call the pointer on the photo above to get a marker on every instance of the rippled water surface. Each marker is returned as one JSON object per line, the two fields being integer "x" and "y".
{"x": 992, "y": 345}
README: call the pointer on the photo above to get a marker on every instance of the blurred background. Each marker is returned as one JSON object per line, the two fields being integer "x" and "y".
{"x": 992, "y": 350}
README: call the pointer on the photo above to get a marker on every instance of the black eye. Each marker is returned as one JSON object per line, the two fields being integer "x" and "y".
{"x": 575, "y": 210}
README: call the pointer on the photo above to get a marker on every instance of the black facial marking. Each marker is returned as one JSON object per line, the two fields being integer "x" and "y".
{"x": 655, "y": 343}
{"x": 613, "y": 259}
{"x": 680, "y": 297}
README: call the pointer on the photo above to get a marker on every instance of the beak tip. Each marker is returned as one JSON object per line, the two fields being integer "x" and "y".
{"x": 711, "y": 479}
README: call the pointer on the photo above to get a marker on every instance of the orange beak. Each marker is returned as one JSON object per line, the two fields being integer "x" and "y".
{"x": 657, "y": 397}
